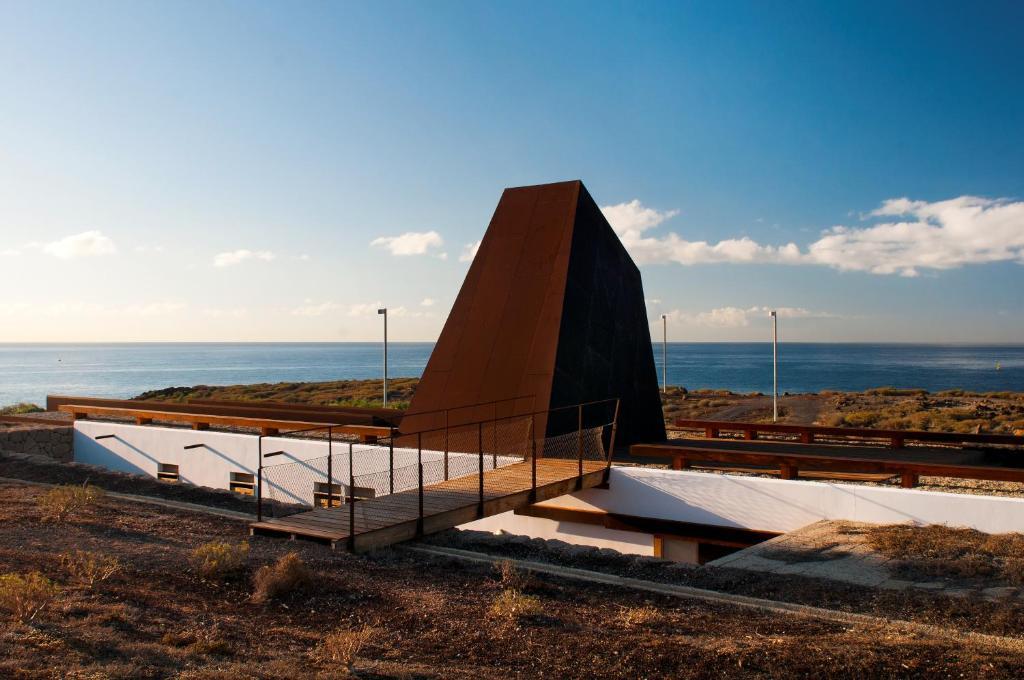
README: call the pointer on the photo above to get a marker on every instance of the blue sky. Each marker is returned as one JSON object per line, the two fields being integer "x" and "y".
{"x": 274, "y": 171}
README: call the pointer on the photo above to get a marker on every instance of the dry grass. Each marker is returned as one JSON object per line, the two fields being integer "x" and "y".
{"x": 89, "y": 568}
{"x": 285, "y": 576}
{"x": 121, "y": 630}
{"x": 61, "y": 502}
{"x": 632, "y": 617}
{"x": 201, "y": 639}
{"x": 509, "y": 577}
{"x": 356, "y": 393}
{"x": 343, "y": 646}
{"x": 936, "y": 551}
{"x": 512, "y": 605}
{"x": 23, "y": 596}
{"x": 219, "y": 559}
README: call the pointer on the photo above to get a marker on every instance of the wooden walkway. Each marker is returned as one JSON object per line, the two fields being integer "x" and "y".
{"x": 394, "y": 518}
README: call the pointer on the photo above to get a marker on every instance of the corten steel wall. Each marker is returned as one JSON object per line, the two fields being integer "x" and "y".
{"x": 553, "y": 307}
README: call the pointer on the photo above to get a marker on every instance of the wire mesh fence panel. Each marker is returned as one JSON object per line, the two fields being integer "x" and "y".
{"x": 588, "y": 444}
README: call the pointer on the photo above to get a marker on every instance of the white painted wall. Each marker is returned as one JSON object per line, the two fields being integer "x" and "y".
{"x": 783, "y": 505}
{"x": 140, "y": 449}
{"x": 751, "y": 503}
{"x": 576, "y": 533}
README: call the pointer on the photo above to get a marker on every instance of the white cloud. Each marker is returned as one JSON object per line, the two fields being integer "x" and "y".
{"x": 634, "y": 217}
{"x": 939, "y": 235}
{"x": 149, "y": 249}
{"x": 410, "y": 243}
{"x": 427, "y": 302}
{"x": 225, "y": 313}
{"x": 86, "y": 244}
{"x": 630, "y": 221}
{"x": 469, "y": 251}
{"x": 97, "y": 309}
{"x": 739, "y": 317}
{"x": 234, "y": 257}
{"x": 370, "y": 309}
{"x": 310, "y": 308}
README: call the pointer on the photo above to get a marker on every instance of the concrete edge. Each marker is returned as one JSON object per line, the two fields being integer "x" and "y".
{"x": 161, "y": 502}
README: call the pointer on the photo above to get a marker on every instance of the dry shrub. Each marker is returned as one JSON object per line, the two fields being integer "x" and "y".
{"x": 509, "y": 576}
{"x": 198, "y": 640}
{"x": 89, "y": 568}
{"x": 631, "y": 617}
{"x": 937, "y": 551}
{"x": 513, "y": 604}
{"x": 24, "y": 596}
{"x": 60, "y": 502}
{"x": 1013, "y": 570}
{"x": 219, "y": 559}
{"x": 343, "y": 646}
{"x": 286, "y": 575}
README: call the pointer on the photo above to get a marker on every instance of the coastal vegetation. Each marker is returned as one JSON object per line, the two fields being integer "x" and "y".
{"x": 20, "y": 409}
{"x": 355, "y": 393}
{"x": 399, "y": 614}
{"x": 882, "y": 407}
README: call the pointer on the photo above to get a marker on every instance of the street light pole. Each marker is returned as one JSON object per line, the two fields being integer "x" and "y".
{"x": 664, "y": 353}
{"x": 775, "y": 366}
{"x": 384, "y": 311}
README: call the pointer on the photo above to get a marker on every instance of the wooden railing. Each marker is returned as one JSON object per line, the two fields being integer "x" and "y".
{"x": 808, "y": 434}
{"x": 255, "y": 410}
{"x": 788, "y": 463}
{"x": 203, "y": 421}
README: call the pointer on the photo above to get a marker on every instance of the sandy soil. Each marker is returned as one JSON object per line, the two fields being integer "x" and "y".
{"x": 158, "y": 618}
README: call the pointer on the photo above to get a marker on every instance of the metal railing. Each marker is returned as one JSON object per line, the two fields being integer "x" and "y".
{"x": 406, "y": 461}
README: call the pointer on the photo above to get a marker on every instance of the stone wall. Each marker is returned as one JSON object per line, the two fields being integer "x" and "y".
{"x": 50, "y": 441}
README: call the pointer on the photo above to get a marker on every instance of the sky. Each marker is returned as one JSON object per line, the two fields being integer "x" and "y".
{"x": 221, "y": 171}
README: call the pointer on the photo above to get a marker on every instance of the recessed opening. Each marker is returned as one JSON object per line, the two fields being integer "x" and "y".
{"x": 168, "y": 472}
{"x": 243, "y": 483}
{"x": 326, "y": 497}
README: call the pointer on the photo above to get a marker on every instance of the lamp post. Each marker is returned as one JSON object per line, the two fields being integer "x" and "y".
{"x": 384, "y": 311}
{"x": 775, "y": 367}
{"x": 664, "y": 353}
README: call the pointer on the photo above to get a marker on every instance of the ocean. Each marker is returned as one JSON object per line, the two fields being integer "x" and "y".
{"x": 28, "y": 372}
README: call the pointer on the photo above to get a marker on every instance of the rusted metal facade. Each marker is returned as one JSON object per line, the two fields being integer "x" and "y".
{"x": 551, "y": 313}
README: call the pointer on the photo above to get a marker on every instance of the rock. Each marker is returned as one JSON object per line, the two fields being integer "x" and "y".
{"x": 999, "y": 593}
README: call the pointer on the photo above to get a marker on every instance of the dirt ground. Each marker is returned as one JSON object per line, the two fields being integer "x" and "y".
{"x": 158, "y": 618}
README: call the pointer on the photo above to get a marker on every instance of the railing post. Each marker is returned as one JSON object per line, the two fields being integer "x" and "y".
{"x": 330, "y": 473}
{"x": 579, "y": 445}
{"x": 419, "y": 522}
{"x": 391, "y": 462}
{"x": 611, "y": 443}
{"x": 351, "y": 502}
{"x": 259, "y": 480}
{"x": 480, "y": 443}
{"x": 533, "y": 459}
{"x": 446, "y": 445}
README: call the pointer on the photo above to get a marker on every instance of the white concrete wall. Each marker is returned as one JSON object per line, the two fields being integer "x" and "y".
{"x": 576, "y": 533}
{"x": 751, "y": 503}
{"x": 783, "y": 505}
{"x": 140, "y": 449}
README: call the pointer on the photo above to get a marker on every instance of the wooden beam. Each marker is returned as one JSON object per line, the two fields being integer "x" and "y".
{"x": 202, "y": 421}
{"x": 714, "y": 428}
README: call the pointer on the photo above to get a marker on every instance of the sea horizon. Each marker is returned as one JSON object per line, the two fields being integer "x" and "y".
{"x": 30, "y": 371}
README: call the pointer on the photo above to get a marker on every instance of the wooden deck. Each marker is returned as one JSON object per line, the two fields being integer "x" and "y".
{"x": 386, "y": 520}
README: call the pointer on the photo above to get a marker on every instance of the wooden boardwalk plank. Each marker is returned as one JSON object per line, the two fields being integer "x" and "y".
{"x": 392, "y": 518}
